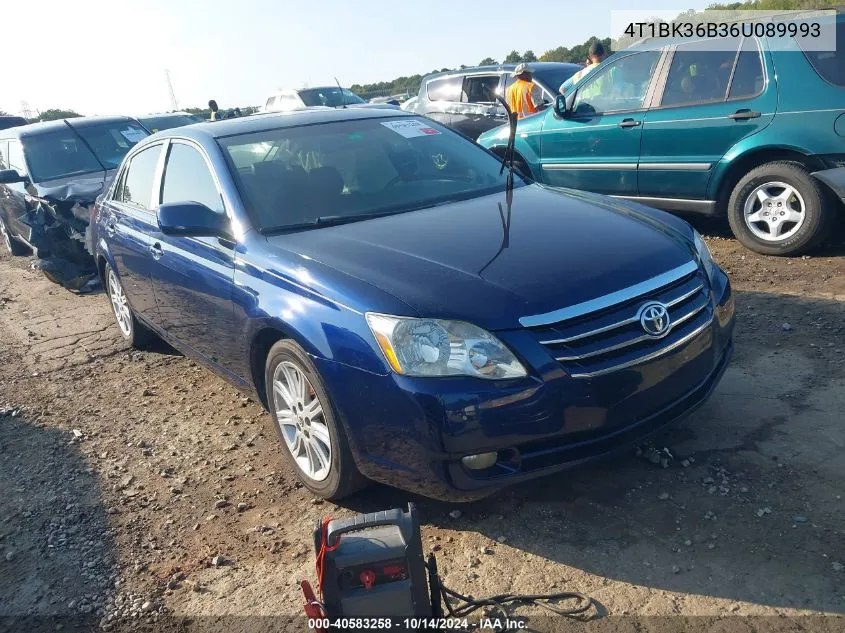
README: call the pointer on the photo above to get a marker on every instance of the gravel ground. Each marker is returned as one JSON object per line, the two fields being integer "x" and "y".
{"x": 141, "y": 492}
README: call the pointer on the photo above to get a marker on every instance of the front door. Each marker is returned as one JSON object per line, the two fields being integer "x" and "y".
{"x": 125, "y": 222}
{"x": 714, "y": 95}
{"x": 13, "y": 200}
{"x": 193, "y": 276}
{"x": 597, "y": 146}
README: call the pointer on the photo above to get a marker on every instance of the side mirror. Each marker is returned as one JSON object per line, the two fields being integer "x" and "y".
{"x": 191, "y": 219}
{"x": 564, "y": 104}
{"x": 10, "y": 176}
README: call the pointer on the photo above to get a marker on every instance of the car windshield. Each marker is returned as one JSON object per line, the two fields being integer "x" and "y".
{"x": 165, "y": 122}
{"x": 314, "y": 175}
{"x": 554, "y": 78}
{"x": 111, "y": 141}
{"x": 332, "y": 97}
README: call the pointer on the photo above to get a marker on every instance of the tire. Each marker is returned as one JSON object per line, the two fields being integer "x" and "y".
{"x": 315, "y": 445}
{"x": 11, "y": 244}
{"x": 762, "y": 202}
{"x": 132, "y": 330}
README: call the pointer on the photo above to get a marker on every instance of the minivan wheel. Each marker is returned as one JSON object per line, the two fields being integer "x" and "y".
{"x": 780, "y": 209}
{"x": 12, "y": 245}
{"x": 132, "y": 331}
{"x": 314, "y": 441}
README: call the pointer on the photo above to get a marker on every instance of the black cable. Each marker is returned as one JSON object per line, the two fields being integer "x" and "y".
{"x": 579, "y": 611}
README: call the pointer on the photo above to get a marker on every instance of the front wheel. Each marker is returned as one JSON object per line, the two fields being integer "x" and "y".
{"x": 12, "y": 245}
{"x": 780, "y": 209}
{"x": 314, "y": 440}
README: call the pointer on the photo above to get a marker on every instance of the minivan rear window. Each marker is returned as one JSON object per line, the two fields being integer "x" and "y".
{"x": 830, "y": 65}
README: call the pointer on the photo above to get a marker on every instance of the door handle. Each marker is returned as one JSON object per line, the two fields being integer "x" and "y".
{"x": 743, "y": 115}
{"x": 629, "y": 123}
{"x": 156, "y": 251}
{"x": 110, "y": 229}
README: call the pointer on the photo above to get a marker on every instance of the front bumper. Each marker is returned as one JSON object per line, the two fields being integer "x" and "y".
{"x": 411, "y": 433}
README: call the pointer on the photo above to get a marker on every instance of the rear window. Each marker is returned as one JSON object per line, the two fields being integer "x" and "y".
{"x": 830, "y": 65}
{"x": 446, "y": 89}
{"x": 332, "y": 97}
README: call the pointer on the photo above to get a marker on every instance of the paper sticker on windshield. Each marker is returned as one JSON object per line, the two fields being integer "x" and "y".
{"x": 410, "y": 129}
{"x": 133, "y": 136}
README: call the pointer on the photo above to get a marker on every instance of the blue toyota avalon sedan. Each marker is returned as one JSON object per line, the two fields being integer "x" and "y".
{"x": 405, "y": 315}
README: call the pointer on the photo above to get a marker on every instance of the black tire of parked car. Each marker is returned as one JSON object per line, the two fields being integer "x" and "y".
{"x": 12, "y": 245}
{"x": 819, "y": 208}
{"x": 343, "y": 478}
{"x": 140, "y": 336}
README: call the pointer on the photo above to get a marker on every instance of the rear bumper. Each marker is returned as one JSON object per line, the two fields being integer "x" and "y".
{"x": 834, "y": 179}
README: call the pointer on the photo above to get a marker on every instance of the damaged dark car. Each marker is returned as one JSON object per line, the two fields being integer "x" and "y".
{"x": 50, "y": 175}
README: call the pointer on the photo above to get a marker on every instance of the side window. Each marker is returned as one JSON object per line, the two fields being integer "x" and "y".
{"x": 137, "y": 188}
{"x": 16, "y": 160}
{"x": 620, "y": 86}
{"x": 748, "y": 76}
{"x": 480, "y": 89}
{"x": 446, "y": 89}
{"x": 187, "y": 179}
{"x": 3, "y": 152}
{"x": 700, "y": 72}
{"x": 830, "y": 65}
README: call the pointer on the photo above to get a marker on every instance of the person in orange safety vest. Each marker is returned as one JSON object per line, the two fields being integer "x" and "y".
{"x": 518, "y": 95}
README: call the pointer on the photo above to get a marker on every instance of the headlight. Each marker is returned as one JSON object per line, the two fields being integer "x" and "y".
{"x": 705, "y": 257}
{"x": 434, "y": 347}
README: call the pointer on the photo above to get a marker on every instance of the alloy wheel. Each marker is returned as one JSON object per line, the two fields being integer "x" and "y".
{"x": 119, "y": 304}
{"x": 300, "y": 416}
{"x": 774, "y": 211}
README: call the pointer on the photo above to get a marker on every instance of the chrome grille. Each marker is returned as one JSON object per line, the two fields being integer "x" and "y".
{"x": 612, "y": 338}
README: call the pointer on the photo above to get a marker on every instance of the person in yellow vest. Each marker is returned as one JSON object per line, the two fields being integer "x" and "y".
{"x": 596, "y": 55}
{"x": 519, "y": 96}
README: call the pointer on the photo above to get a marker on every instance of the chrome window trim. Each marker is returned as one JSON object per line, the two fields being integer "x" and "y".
{"x": 606, "y": 301}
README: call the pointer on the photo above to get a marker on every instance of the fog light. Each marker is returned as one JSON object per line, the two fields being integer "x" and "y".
{"x": 725, "y": 313}
{"x": 480, "y": 461}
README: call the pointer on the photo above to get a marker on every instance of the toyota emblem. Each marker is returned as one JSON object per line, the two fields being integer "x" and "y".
{"x": 654, "y": 319}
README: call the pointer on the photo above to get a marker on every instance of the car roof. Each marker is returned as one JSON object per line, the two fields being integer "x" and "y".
{"x": 472, "y": 70}
{"x": 33, "y": 129}
{"x": 163, "y": 114}
{"x": 275, "y": 120}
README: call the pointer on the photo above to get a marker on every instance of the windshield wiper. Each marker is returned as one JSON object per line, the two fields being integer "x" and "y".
{"x": 334, "y": 220}
{"x": 510, "y": 151}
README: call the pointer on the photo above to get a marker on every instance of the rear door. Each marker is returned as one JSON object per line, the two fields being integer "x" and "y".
{"x": 193, "y": 276}
{"x": 597, "y": 146}
{"x": 127, "y": 220}
{"x": 713, "y": 94}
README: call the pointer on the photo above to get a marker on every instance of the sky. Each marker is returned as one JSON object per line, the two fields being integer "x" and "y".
{"x": 110, "y": 56}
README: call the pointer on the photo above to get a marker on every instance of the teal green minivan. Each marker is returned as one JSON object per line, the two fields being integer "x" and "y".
{"x": 742, "y": 128}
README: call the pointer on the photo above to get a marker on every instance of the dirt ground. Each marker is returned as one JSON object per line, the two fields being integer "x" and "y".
{"x": 137, "y": 487}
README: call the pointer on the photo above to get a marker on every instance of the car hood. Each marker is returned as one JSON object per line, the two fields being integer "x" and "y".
{"x": 478, "y": 261}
